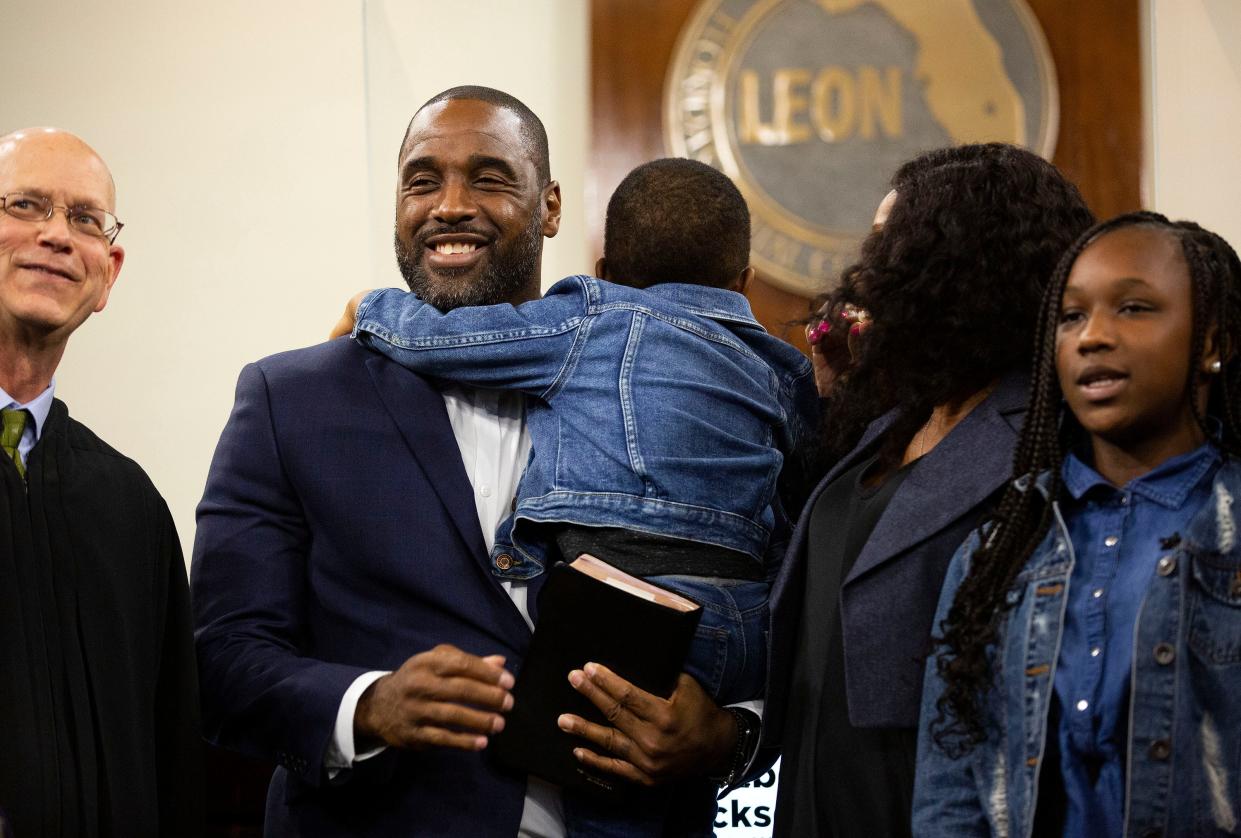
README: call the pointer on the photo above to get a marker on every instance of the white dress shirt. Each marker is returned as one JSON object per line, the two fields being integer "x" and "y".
{"x": 39, "y": 407}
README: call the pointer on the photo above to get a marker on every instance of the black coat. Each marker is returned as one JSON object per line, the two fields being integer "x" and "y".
{"x": 888, "y": 597}
{"x": 99, "y": 723}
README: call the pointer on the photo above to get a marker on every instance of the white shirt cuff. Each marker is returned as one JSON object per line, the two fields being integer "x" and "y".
{"x": 340, "y": 753}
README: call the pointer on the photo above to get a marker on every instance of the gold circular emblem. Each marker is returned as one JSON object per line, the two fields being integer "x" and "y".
{"x": 811, "y": 105}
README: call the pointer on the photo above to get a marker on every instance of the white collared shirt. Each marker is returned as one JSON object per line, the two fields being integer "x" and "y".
{"x": 39, "y": 407}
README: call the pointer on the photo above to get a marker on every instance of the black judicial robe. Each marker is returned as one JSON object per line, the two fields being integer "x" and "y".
{"x": 99, "y": 721}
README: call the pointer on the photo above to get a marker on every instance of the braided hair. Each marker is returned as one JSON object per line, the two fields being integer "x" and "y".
{"x": 1025, "y": 513}
{"x": 960, "y": 265}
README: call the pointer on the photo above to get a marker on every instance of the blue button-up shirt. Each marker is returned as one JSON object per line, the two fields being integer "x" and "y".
{"x": 1116, "y": 535}
{"x": 40, "y": 406}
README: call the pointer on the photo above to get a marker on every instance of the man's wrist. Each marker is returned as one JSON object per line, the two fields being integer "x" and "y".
{"x": 365, "y": 734}
{"x": 345, "y": 748}
{"x": 746, "y": 726}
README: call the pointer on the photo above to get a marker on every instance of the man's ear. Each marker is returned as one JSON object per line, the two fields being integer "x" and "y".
{"x": 551, "y": 209}
{"x": 601, "y": 268}
{"x": 116, "y": 256}
{"x": 743, "y": 280}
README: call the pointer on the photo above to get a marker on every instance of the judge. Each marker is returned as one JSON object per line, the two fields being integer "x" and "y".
{"x": 98, "y": 692}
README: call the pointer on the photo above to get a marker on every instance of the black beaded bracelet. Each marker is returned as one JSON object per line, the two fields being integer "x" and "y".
{"x": 747, "y": 728}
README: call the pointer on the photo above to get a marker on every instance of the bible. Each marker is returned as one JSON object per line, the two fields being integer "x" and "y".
{"x": 590, "y": 611}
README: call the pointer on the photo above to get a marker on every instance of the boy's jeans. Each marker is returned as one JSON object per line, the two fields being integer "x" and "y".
{"x": 728, "y": 657}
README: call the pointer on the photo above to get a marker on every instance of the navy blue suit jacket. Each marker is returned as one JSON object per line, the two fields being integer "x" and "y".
{"x": 338, "y": 534}
{"x": 888, "y": 598}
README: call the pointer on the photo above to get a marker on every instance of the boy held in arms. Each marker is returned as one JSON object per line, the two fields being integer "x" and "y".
{"x": 660, "y": 412}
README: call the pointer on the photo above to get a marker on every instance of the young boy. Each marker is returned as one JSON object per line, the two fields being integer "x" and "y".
{"x": 660, "y": 413}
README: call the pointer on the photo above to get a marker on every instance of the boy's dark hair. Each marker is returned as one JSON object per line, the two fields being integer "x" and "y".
{"x": 532, "y": 130}
{"x": 676, "y": 220}
{"x": 1025, "y": 513}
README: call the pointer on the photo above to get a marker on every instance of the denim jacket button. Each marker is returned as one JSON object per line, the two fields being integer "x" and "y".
{"x": 1164, "y": 653}
{"x": 1166, "y": 566}
{"x": 504, "y": 561}
{"x": 1160, "y": 749}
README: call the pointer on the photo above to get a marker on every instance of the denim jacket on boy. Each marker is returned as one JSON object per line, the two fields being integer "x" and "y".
{"x": 663, "y": 410}
{"x": 1183, "y": 774}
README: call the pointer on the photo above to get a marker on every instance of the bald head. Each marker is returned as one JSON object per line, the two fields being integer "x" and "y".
{"x": 533, "y": 134}
{"x": 53, "y": 143}
{"x": 54, "y": 270}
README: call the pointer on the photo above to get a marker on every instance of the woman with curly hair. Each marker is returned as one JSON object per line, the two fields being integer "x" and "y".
{"x": 920, "y": 431}
{"x": 1088, "y": 679}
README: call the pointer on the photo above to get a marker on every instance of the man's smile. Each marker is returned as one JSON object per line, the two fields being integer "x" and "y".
{"x": 47, "y": 270}
{"x": 455, "y": 250}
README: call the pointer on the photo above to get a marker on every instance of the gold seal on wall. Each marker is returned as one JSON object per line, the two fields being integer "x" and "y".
{"x": 811, "y": 105}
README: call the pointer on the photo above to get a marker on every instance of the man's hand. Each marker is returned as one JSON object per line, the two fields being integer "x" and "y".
{"x": 653, "y": 740}
{"x": 444, "y": 697}
{"x": 344, "y": 325}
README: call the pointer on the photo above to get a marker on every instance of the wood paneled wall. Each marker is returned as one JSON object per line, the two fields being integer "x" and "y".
{"x": 1095, "y": 46}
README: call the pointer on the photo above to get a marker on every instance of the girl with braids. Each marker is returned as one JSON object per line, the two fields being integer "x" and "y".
{"x": 1088, "y": 675}
{"x": 926, "y": 419}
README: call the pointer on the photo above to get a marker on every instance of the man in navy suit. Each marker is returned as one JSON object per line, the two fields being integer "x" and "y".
{"x": 348, "y": 516}
{"x": 347, "y": 523}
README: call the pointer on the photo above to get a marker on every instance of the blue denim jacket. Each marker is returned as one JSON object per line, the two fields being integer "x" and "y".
{"x": 664, "y": 410}
{"x": 1184, "y": 747}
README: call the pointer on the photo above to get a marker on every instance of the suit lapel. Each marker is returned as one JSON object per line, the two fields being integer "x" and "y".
{"x": 418, "y": 411}
{"x": 961, "y": 472}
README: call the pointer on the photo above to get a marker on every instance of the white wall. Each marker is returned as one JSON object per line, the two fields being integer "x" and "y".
{"x": 1193, "y": 98}
{"x": 254, "y": 148}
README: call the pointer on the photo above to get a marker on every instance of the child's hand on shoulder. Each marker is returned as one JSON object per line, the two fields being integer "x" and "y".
{"x": 344, "y": 325}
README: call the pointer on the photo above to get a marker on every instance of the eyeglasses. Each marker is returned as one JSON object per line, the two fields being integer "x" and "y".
{"x": 90, "y": 221}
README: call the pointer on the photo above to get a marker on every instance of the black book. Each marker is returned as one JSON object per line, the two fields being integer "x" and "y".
{"x": 590, "y": 611}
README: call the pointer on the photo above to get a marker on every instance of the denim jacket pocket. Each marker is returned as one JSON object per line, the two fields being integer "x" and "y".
{"x": 1215, "y": 615}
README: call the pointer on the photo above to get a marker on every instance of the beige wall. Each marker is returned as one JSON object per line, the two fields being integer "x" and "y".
{"x": 1193, "y": 97}
{"x": 254, "y": 148}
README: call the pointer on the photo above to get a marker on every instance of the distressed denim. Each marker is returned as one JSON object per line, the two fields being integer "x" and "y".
{"x": 1183, "y": 773}
{"x": 666, "y": 410}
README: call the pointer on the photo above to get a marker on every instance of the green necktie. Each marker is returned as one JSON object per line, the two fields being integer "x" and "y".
{"x": 14, "y": 424}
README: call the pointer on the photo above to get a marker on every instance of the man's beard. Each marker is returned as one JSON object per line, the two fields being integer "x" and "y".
{"x": 507, "y": 271}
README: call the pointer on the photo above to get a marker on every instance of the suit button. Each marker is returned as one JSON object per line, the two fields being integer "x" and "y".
{"x": 504, "y": 561}
{"x": 1166, "y": 566}
{"x": 1160, "y": 749}
{"x": 1164, "y": 653}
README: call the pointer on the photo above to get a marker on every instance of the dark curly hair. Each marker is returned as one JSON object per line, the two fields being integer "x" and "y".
{"x": 952, "y": 282}
{"x": 1025, "y": 513}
